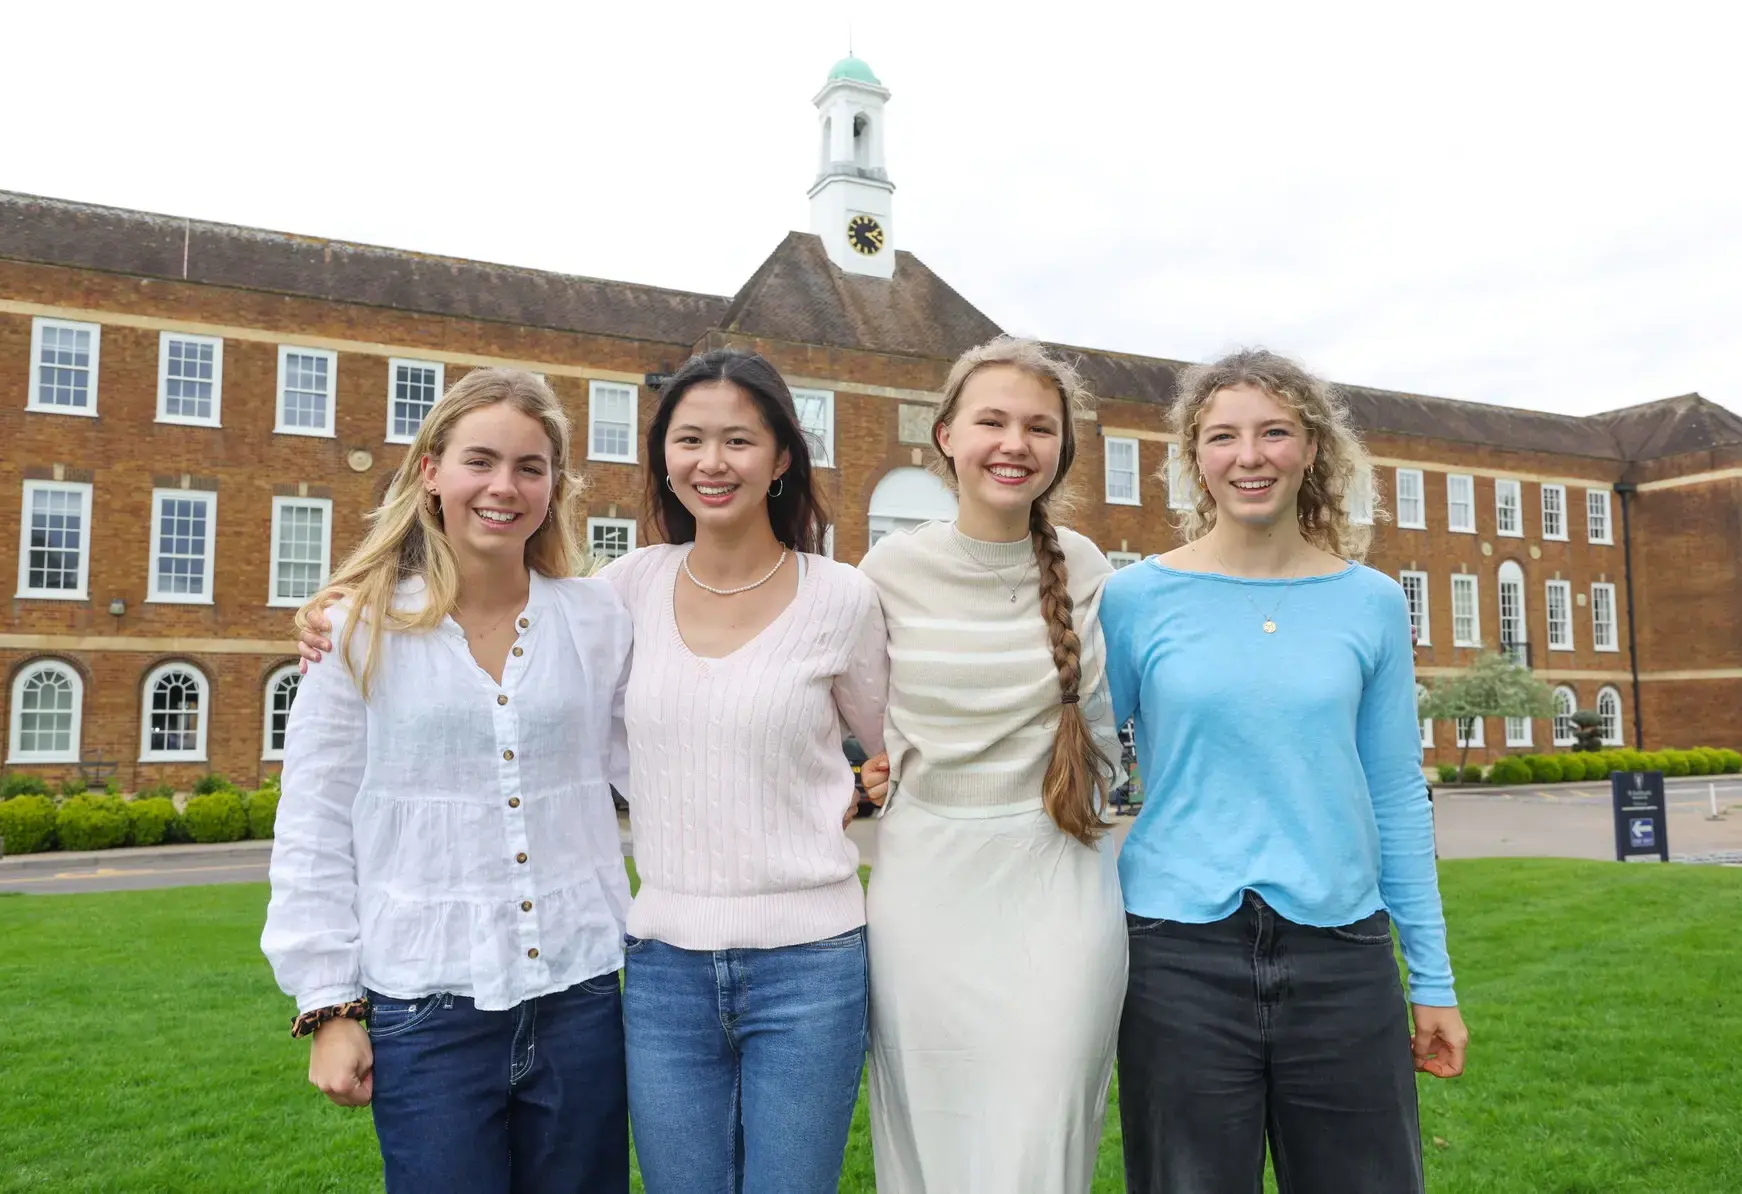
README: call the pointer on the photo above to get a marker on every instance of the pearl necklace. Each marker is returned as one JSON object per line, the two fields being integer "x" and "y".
{"x": 742, "y": 588}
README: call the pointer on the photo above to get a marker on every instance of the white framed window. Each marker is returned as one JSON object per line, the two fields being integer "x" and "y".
{"x": 1415, "y": 593}
{"x": 1411, "y": 500}
{"x": 1554, "y": 511}
{"x": 1597, "y": 525}
{"x": 1560, "y": 615}
{"x": 1427, "y": 725}
{"x": 63, "y": 367}
{"x": 609, "y": 538}
{"x": 1121, "y": 455}
{"x": 173, "y": 715}
{"x": 611, "y": 422}
{"x": 1470, "y": 732}
{"x": 1565, "y": 705}
{"x": 1124, "y": 559}
{"x": 183, "y": 532}
{"x": 48, "y": 699}
{"x": 1603, "y": 635}
{"x": 1609, "y": 709}
{"x": 816, "y": 415}
{"x": 308, "y": 380}
{"x": 412, "y": 390}
{"x": 1509, "y": 508}
{"x": 190, "y": 379}
{"x": 1466, "y": 613}
{"x": 302, "y": 548}
{"x": 1360, "y": 499}
{"x": 1518, "y": 731}
{"x": 1461, "y": 503}
{"x": 281, "y": 689}
{"x": 1181, "y": 493}
{"x": 1513, "y": 631}
{"x": 54, "y": 540}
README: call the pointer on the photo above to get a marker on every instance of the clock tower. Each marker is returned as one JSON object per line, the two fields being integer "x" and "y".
{"x": 850, "y": 200}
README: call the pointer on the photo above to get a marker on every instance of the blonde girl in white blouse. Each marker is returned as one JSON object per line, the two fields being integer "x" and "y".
{"x": 447, "y": 866}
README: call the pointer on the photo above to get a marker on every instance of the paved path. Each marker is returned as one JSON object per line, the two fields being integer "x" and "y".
{"x": 1559, "y": 821}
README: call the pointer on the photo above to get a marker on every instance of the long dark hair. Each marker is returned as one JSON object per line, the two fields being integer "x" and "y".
{"x": 797, "y": 513}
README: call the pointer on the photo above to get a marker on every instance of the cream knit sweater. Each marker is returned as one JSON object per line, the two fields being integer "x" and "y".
{"x": 973, "y": 691}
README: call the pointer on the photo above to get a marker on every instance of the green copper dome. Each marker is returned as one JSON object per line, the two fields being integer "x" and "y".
{"x": 855, "y": 69}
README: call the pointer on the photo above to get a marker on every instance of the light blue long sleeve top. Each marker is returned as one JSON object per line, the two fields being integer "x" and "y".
{"x": 1287, "y": 764}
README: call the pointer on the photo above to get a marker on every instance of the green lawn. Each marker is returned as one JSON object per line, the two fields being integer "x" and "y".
{"x": 143, "y": 1044}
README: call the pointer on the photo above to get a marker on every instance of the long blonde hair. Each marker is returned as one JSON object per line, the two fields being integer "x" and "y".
{"x": 406, "y": 539}
{"x": 1078, "y": 775}
{"x": 1340, "y": 471}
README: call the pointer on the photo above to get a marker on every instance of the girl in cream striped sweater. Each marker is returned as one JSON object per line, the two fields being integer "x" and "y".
{"x": 997, "y": 937}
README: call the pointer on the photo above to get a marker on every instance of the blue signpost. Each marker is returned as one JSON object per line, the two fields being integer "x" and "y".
{"x": 1640, "y": 824}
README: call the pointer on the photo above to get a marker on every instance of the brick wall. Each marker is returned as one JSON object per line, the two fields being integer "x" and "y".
{"x": 1687, "y": 540}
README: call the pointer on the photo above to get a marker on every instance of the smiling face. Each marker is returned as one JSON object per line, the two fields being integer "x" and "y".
{"x": 1004, "y": 442}
{"x": 721, "y": 456}
{"x": 494, "y": 480}
{"x": 1253, "y": 454}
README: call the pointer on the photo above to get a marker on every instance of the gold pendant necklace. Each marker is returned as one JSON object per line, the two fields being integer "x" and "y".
{"x": 1270, "y": 618}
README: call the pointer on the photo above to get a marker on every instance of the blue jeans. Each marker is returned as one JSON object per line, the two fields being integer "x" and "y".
{"x": 525, "y": 1101}
{"x": 744, "y": 1064}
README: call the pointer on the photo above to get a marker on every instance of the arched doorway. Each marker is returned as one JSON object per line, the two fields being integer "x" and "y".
{"x": 905, "y": 498}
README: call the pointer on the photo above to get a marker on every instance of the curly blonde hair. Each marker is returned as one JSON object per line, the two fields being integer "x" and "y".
{"x": 1341, "y": 472}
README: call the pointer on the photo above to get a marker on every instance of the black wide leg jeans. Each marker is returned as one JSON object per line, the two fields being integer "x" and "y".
{"x": 1255, "y": 1029}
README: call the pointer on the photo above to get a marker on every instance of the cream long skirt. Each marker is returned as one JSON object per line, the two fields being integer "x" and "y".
{"x": 998, "y": 958}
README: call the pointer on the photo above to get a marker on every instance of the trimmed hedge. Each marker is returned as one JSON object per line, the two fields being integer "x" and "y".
{"x": 1448, "y": 773}
{"x": 22, "y": 785}
{"x": 1572, "y": 768}
{"x": 1545, "y": 769}
{"x": 92, "y": 823}
{"x": 151, "y": 819}
{"x": 27, "y": 822}
{"x": 1472, "y": 774}
{"x": 1732, "y": 761}
{"x": 262, "y": 812}
{"x": 216, "y": 817}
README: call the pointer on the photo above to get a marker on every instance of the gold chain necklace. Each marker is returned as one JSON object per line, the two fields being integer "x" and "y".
{"x": 1270, "y": 618}
{"x": 1012, "y": 588}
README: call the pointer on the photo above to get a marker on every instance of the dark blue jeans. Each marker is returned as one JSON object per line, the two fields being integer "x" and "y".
{"x": 525, "y": 1101}
{"x": 1256, "y": 1029}
{"x": 744, "y": 1064}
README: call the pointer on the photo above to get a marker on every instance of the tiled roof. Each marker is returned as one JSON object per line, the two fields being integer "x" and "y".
{"x": 1671, "y": 427}
{"x": 799, "y": 295}
{"x": 85, "y": 235}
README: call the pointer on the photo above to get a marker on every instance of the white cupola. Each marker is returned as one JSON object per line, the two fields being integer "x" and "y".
{"x": 850, "y": 200}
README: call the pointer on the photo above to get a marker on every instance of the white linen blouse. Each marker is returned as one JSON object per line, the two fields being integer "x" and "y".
{"x": 452, "y": 834}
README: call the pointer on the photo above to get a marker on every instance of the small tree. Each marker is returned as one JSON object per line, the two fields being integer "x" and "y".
{"x": 1492, "y": 686}
{"x": 1587, "y": 730}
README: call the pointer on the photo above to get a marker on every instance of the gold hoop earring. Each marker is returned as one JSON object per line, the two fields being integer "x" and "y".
{"x": 434, "y": 504}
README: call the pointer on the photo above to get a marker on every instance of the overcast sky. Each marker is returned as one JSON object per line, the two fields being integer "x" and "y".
{"x": 1521, "y": 203}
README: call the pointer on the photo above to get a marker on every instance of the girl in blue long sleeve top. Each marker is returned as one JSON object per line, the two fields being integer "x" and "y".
{"x": 1285, "y": 825}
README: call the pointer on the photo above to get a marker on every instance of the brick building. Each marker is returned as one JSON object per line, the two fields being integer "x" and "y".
{"x": 198, "y": 417}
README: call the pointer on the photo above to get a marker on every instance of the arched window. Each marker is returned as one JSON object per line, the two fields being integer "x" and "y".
{"x": 905, "y": 498}
{"x": 175, "y": 715}
{"x": 1513, "y": 623}
{"x": 1609, "y": 709}
{"x": 280, "y": 695}
{"x": 863, "y": 156}
{"x": 1427, "y": 725}
{"x": 1565, "y": 705}
{"x": 48, "y": 700}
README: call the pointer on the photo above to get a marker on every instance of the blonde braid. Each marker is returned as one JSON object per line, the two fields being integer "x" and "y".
{"x": 1078, "y": 774}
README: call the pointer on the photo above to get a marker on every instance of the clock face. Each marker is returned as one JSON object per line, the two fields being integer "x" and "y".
{"x": 865, "y": 235}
